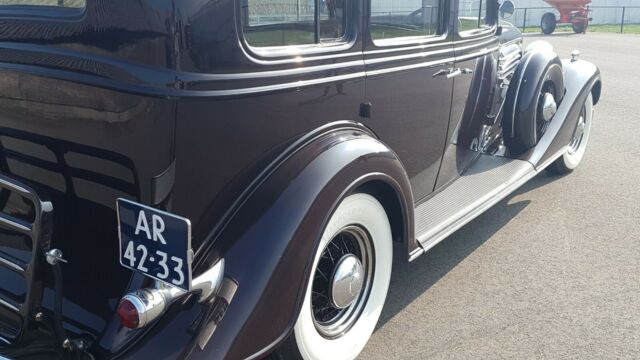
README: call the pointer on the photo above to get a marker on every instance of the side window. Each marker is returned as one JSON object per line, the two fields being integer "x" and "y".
{"x": 401, "y": 18}
{"x": 472, "y": 15}
{"x": 48, "y": 3}
{"x": 293, "y": 22}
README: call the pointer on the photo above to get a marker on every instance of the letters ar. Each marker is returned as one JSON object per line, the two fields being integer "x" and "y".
{"x": 157, "y": 227}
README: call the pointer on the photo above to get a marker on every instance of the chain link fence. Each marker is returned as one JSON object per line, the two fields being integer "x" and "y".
{"x": 281, "y": 11}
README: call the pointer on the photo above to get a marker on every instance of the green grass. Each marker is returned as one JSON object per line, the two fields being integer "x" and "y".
{"x": 610, "y": 28}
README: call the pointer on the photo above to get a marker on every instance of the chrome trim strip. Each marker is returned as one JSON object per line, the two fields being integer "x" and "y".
{"x": 13, "y": 266}
{"x": 14, "y": 187}
{"x": 411, "y": 66}
{"x": 303, "y": 83}
{"x": 354, "y": 63}
{"x": 428, "y": 46}
{"x": 278, "y": 73}
{"x": 9, "y": 306}
{"x": 275, "y": 87}
{"x": 6, "y": 342}
{"x": 15, "y": 224}
{"x": 299, "y": 50}
{"x": 431, "y": 63}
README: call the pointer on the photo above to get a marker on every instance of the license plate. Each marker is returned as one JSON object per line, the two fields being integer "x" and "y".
{"x": 155, "y": 243}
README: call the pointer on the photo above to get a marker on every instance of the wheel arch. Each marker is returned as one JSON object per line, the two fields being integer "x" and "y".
{"x": 400, "y": 213}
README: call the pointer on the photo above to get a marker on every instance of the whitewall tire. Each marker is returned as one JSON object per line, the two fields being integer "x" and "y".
{"x": 579, "y": 140}
{"x": 328, "y": 328}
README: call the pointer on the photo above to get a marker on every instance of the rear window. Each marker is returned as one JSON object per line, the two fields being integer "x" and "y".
{"x": 293, "y": 22}
{"x": 43, "y": 3}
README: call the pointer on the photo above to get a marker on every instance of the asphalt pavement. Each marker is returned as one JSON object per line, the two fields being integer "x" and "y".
{"x": 551, "y": 272}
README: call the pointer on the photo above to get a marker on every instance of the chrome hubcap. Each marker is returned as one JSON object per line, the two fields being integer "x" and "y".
{"x": 549, "y": 107}
{"x": 342, "y": 282}
{"x": 546, "y": 108}
{"x": 346, "y": 282}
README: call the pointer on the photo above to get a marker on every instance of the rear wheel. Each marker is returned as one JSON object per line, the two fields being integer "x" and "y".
{"x": 578, "y": 144}
{"x": 548, "y": 23}
{"x": 348, "y": 284}
{"x": 579, "y": 27}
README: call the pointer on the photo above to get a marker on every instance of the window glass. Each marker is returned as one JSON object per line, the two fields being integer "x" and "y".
{"x": 292, "y": 22}
{"x": 399, "y": 18}
{"x": 61, "y": 3}
{"x": 471, "y": 15}
{"x": 332, "y": 19}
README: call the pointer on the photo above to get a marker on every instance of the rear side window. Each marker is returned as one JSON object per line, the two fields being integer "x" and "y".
{"x": 293, "y": 22}
{"x": 472, "y": 16}
{"x": 47, "y": 3}
{"x": 401, "y": 18}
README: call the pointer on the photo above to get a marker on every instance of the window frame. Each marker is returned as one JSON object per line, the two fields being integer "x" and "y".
{"x": 443, "y": 28}
{"x": 319, "y": 47}
{"x": 487, "y": 30}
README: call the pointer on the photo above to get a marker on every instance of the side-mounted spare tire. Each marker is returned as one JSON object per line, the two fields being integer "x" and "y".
{"x": 535, "y": 91}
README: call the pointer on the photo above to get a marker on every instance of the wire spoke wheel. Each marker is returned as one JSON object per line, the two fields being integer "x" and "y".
{"x": 342, "y": 281}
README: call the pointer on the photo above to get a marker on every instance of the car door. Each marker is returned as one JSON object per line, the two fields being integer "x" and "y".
{"x": 475, "y": 47}
{"x": 408, "y": 51}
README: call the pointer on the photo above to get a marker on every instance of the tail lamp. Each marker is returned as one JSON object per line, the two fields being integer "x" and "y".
{"x": 141, "y": 307}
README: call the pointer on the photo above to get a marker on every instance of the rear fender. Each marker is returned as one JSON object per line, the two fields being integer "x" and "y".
{"x": 268, "y": 246}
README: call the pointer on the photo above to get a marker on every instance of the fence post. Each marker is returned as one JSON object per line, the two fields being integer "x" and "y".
{"x": 524, "y": 21}
{"x": 622, "y": 22}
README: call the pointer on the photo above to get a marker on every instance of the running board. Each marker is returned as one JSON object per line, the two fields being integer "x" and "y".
{"x": 489, "y": 180}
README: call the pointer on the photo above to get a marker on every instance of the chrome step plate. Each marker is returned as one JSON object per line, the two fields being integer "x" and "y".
{"x": 489, "y": 180}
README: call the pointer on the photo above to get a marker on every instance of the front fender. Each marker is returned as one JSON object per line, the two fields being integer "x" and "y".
{"x": 580, "y": 79}
{"x": 267, "y": 247}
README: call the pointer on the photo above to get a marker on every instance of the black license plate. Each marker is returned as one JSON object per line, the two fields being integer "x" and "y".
{"x": 155, "y": 243}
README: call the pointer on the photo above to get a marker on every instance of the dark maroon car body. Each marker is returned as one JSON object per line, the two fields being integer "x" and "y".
{"x": 163, "y": 102}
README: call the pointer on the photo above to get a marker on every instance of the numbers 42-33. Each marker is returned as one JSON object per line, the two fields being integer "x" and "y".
{"x": 160, "y": 258}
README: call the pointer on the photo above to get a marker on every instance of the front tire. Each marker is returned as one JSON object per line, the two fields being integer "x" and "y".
{"x": 326, "y": 328}
{"x": 578, "y": 144}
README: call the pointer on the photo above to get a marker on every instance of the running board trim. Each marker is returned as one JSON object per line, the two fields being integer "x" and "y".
{"x": 430, "y": 236}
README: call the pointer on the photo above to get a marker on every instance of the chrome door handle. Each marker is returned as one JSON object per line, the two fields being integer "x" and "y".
{"x": 442, "y": 72}
{"x": 454, "y": 73}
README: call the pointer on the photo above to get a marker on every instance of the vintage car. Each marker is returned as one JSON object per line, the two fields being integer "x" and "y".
{"x": 211, "y": 179}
